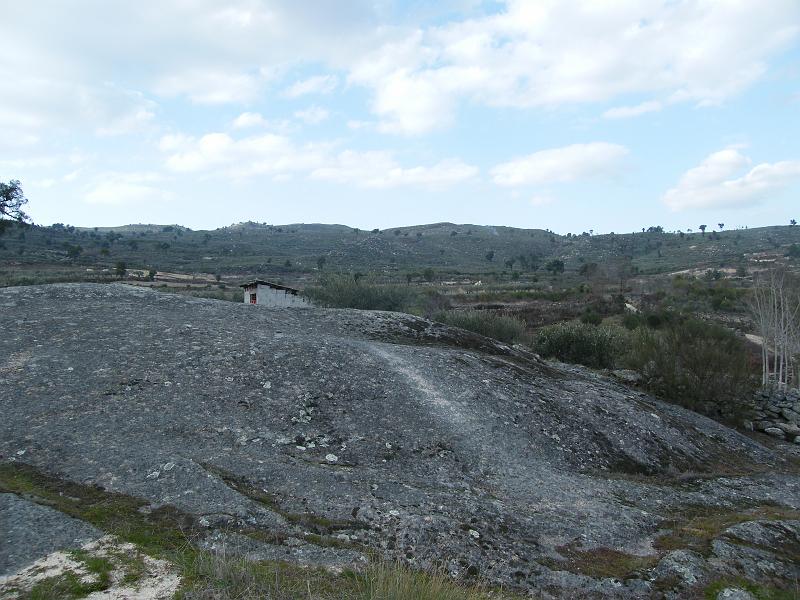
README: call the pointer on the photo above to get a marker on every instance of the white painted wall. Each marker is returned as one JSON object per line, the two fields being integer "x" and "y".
{"x": 267, "y": 296}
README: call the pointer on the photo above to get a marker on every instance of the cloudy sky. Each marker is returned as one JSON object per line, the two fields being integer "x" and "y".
{"x": 572, "y": 115}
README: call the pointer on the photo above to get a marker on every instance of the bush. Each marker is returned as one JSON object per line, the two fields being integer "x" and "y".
{"x": 591, "y": 345}
{"x": 701, "y": 366}
{"x": 433, "y": 303}
{"x": 341, "y": 291}
{"x": 590, "y": 317}
{"x": 631, "y": 321}
{"x": 500, "y": 327}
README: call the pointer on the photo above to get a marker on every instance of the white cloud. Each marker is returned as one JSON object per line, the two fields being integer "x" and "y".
{"x": 713, "y": 184}
{"x": 172, "y": 141}
{"x": 551, "y": 53}
{"x": 279, "y": 157}
{"x": 33, "y": 108}
{"x": 546, "y": 53}
{"x": 127, "y": 188}
{"x": 249, "y": 119}
{"x": 380, "y": 170}
{"x": 541, "y": 200}
{"x": 559, "y": 165}
{"x": 624, "y": 112}
{"x": 319, "y": 84}
{"x": 356, "y": 124}
{"x": 312, "y": 115}
{"x": 209, "y": 86}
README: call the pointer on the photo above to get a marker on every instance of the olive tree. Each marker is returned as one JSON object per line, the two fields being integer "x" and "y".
{"x": 11, "y": 202}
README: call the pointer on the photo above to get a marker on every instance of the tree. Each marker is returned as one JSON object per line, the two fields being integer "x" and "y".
{"x": 703, "y": 229}
{"x": 73, "y": 251}
{"x": 721, "y": 226}
{"x": 321, "y": 262}
{"x": 775, "y": 305}
{"x": 792, "y": 222}
{"x": 555, "y": 266}
{"x": 490, "y": 255}
{"x": 11, "y": 202}
{"x": 429, "y": 274}
{"x": 120, "y": 269}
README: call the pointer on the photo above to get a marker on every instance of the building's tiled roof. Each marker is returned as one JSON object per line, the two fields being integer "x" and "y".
{"x": 275, "y": 286}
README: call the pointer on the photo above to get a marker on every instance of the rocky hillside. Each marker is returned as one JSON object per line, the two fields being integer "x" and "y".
{"x": 332, "y": 437}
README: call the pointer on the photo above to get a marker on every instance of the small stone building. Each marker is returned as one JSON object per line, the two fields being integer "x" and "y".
{"x": 267, "y": 293}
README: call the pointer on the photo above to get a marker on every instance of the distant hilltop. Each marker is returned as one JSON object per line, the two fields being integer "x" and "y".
{"x": 275, "y": 251}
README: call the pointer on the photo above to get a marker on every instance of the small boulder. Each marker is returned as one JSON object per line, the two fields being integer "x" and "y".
{"x": 685, "y": 565}
{"x": 790, "y": 429}
{"x": 735, "y": 594}
{"x": 775, "y": 432}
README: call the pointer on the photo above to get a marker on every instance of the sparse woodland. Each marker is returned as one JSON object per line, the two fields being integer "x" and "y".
{"x": 775, "y": 305}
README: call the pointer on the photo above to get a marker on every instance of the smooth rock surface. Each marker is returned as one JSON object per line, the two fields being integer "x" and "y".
{"x": 437, "y": 433}
{"x": 29, "y": 531}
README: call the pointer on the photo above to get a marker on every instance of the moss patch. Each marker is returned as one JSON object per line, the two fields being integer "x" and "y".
{"x": 600, "y": 562}
{"x": 64, "y": 587}
{"x": 156, "y": 532}
{"x": 761, "y": 592}
{"x": 697, "y": 527}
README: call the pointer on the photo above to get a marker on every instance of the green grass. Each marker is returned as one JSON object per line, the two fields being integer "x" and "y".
{"x": 490, "y": 324}
{"x": 66, "y": 586}
{"x": 343, "y": 291}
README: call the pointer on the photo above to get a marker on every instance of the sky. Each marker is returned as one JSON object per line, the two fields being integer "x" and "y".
{"x": 569, "y": 115}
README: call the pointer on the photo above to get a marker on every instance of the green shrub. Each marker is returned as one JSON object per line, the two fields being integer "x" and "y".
{"x": 341, "y": 291}
{"x": 631, "y": 321}
{"x": 500, "y": 327}
{"x": 701, "y": 366}
{"x": 591, "y": 318}
{"x": 591, "y": 345}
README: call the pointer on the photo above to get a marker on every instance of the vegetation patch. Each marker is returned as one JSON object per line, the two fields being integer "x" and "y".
{"x": 701, "y": 366}
{"x": 344, "y": 291}
{"x": 489, "y": 324}
{"x": 206, "y": 575}
{"x": 66, "y": 586}
{"x": 601, "y": 562}
{"x": 761, "y": 592}
{"x": 595, "y": 346}
{"x": 697, "y": 527}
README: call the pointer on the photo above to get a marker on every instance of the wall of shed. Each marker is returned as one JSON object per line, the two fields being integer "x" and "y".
{"x": 267, "y": 296}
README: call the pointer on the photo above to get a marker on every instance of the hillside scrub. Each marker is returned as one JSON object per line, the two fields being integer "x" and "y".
{"x": 595, "y": 346}
{"x": 698, "y": 365}
{"x": 500, "y": 327}
{"x": 345, "y": 291}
